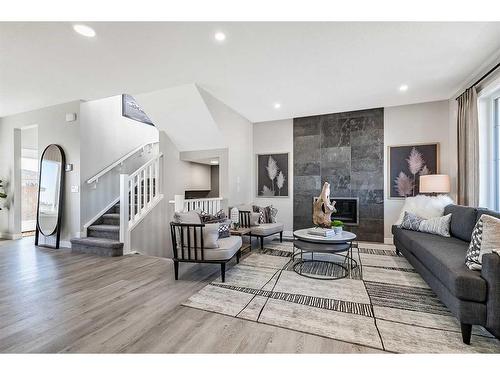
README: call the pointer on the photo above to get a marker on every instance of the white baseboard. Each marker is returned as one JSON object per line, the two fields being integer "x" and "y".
{"x": 65, "y": 244}
{"x": 11, "y": 236}
{"x": 389, "y": 241}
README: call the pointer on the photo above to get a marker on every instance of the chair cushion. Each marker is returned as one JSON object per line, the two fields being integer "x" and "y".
{"x": 463, "y": 220}
{"x": 210, "y": 236}
{"x": 444, "y": 258}
{"x": 190, "y": 217}
{"x": 227, "y": 248}
{"x": 267, "y": 229}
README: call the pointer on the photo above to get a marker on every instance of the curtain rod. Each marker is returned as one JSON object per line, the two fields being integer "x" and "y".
{"x": 480, "y": 79}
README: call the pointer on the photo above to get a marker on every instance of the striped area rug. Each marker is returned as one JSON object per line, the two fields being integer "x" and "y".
{"x": 384, "y": 304}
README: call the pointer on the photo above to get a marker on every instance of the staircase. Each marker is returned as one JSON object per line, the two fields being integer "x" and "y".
{"x": 110, "y": 234}
{"x": 103, "y": 236}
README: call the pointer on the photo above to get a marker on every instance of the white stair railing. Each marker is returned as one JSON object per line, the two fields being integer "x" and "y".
{"x": 140, "y": 192}
{"x": 209, "y": 205}
{"x": 119, "y": 162}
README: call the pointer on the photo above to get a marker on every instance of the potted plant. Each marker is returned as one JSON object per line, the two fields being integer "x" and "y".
{"x": 337, "y": 226}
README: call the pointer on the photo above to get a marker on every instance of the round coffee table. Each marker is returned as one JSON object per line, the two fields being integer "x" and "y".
{"x": 309, "y": 244}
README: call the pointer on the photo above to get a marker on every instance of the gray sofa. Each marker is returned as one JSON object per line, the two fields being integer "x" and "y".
{"x": 472, "y": 296}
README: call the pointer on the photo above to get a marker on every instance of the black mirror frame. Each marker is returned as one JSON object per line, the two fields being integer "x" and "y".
{"x": 57, "y": 230}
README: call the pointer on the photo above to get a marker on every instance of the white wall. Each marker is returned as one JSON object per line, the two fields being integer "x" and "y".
{"x": 275, "y": 137}
{"x": 105, "y": 137}
{"x": 412, "y": 124}
{"x": 237, "y": 137}
{"x": 52, "y": 128}
{"x": 198, "y": 177}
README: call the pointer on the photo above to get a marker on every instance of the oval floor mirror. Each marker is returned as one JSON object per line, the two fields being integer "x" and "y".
{"x": 50, "y": 197}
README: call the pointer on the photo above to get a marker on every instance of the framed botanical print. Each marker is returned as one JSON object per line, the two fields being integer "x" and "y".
{"x": 272, "y": 175}
{"x": 406, "y": 164}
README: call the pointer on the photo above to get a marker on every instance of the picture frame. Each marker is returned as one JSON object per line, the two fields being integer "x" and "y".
{"x": 278, "y": 187}
{"x": 133, "y": 111}
{"x": 401, "y": 163}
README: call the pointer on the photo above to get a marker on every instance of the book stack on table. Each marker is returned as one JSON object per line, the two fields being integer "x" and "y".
{"x": 323, "y": 232}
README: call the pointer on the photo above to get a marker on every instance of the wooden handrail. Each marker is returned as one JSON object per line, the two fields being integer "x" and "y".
{"x": 118, "y": 162}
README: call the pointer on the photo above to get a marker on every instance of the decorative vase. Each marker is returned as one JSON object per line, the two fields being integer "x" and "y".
{"x": 234, "y": 215}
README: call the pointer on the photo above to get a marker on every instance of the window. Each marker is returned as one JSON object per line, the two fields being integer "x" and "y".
{"x": 496, "y": 153}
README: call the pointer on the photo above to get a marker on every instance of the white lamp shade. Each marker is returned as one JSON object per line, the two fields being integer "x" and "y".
{"x": 435, "y": 183}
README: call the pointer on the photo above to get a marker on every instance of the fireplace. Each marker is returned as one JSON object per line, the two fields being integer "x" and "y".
{"x": 347, "y": 210}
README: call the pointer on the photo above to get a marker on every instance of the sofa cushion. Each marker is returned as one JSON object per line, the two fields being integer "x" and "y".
{"x": 227, "y": 248}
{"x": 403, "y": 236}
{"x": 444, "y": 258}
{"x": 267, "y": 229}
{"x": 463, "y": 220}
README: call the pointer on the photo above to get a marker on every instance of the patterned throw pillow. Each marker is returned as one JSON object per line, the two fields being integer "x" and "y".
{"x": 274, "y": 213}
{"x": 224, "y": 228}
{"x": 411, "y": 221}
{"x": 219, "y": 217}
{"x": 485, "y": 239}
{"x": 436, "y": 225}
{"x": 265, "y": 214}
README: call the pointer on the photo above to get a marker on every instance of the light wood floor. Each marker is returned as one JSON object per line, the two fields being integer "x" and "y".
{"x": 54, "y": 301}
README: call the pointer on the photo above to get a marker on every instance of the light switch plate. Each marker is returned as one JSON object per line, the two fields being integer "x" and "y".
{"x": 75, "y": 188}
{"x": 69, "y": 167}
{"x": 70, "y": 117}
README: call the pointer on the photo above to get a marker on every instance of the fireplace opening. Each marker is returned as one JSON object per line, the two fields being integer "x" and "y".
{"x": 347, "y": 210}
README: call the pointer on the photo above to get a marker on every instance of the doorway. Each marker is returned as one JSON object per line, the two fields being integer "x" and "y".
{"x": 29, "y": 179}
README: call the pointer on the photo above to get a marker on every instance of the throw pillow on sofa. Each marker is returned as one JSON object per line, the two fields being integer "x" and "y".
{"x": 267, "y": 214}
{"x": 210, "y": 236}
{"x": 210, "y": 231}
{"x": 485, "y": 239}
{"x": 190, "y": 217}
{"x": 254, "y": 219}
{"x": 411, "y": 221}
{"x": 224, "y": 229}
{"x": 425, "y": 206}
{"x": 435, "y": 225}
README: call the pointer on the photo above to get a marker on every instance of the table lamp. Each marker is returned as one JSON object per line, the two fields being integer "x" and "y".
{"x": 435, "y": 184}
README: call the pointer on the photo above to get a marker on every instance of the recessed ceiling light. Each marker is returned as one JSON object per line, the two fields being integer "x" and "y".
{"x": 403, "y": 88}
{"x": 84, "y": 30}
{"x": 214, "y": 162}
{"x": 220, "y": 36}
{"x": 277, "y": 105}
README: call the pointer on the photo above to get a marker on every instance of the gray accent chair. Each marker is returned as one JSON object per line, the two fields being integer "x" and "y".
{"x": 261, "y": 230}
{"x": 188, "y": 244}
{"x": 472, "y": 296}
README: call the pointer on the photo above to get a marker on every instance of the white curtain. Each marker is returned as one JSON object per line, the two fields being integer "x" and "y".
{"x": 468, "y": 148}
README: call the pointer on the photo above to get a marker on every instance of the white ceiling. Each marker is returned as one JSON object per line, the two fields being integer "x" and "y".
{"x": 309, "y": 68}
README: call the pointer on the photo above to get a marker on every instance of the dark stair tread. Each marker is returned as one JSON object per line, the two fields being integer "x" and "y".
{"x": 97, "y": 242}
{"x": 111, "y": 216}
{"x": 105, "y": 228}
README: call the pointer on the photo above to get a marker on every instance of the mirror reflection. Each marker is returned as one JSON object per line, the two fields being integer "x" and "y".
{"x": 50, "y": 190}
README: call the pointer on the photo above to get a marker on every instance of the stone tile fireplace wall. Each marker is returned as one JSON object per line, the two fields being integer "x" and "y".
{"x": 347, "y": 150}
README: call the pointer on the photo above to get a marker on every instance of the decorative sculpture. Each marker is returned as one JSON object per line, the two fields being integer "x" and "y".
{"x": 323, "y": 209}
